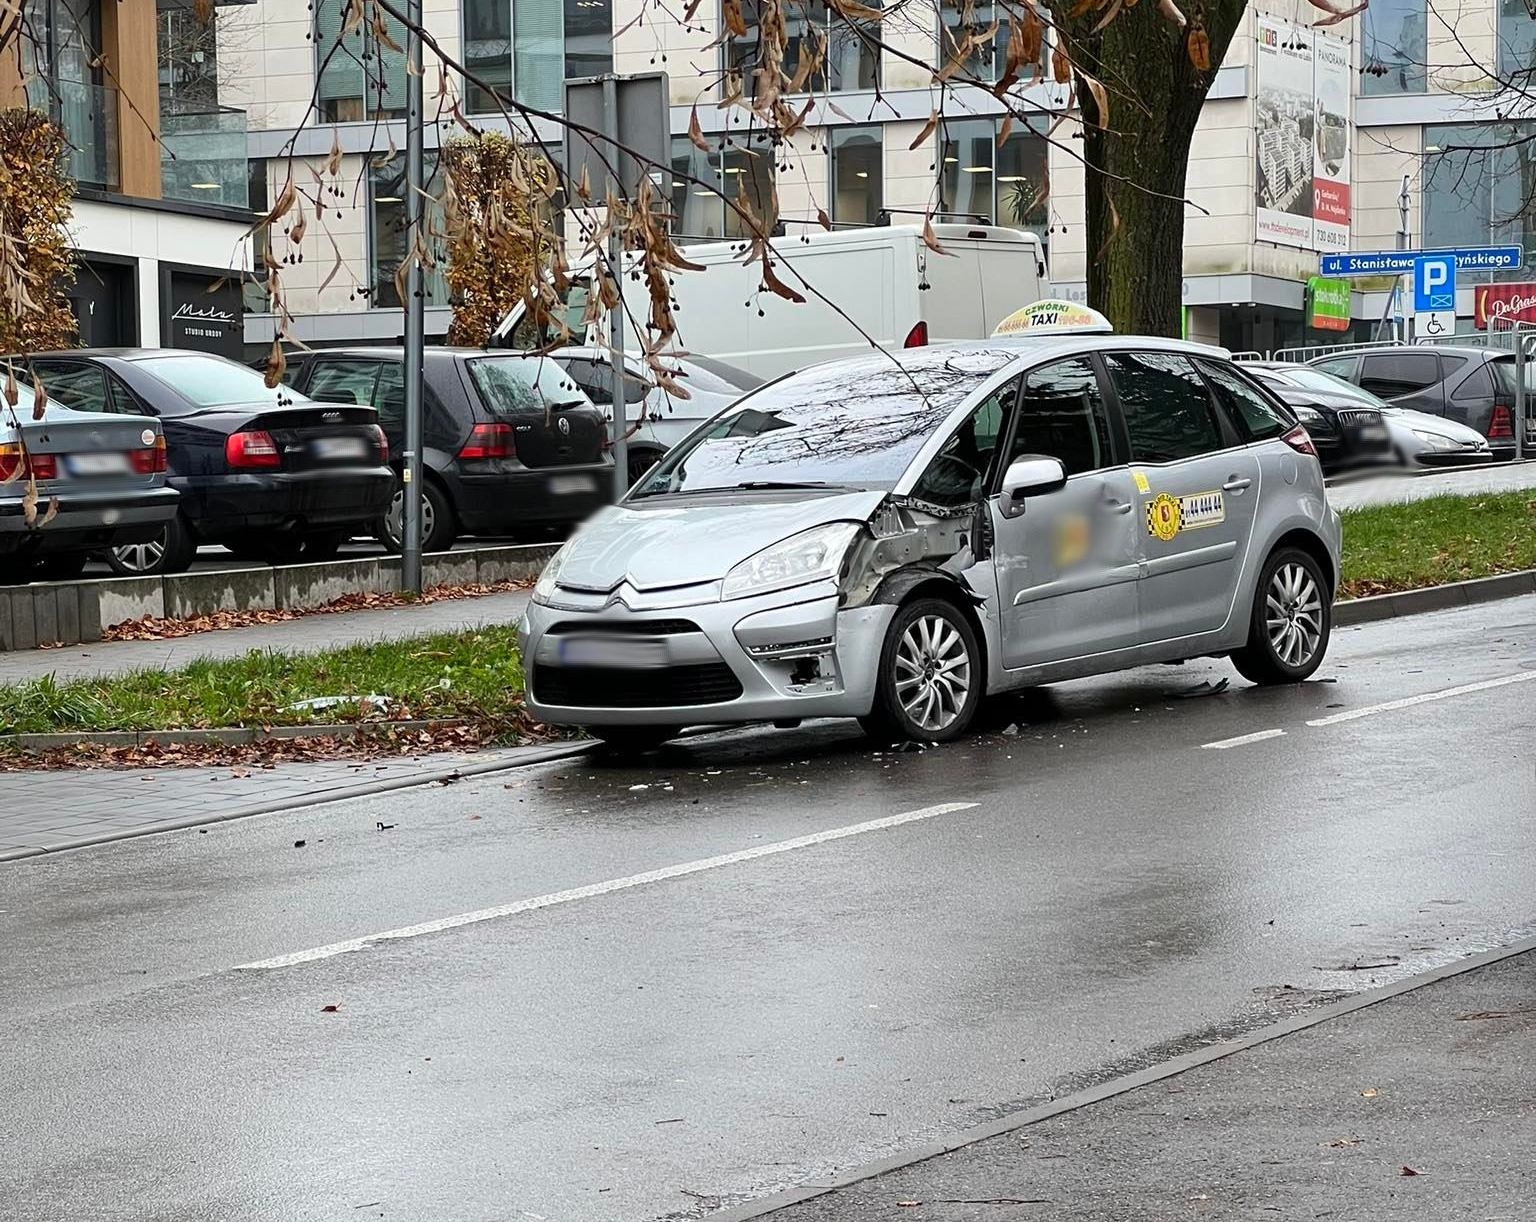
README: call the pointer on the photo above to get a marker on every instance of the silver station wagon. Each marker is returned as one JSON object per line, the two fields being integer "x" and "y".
{"x": 895, "y": 537}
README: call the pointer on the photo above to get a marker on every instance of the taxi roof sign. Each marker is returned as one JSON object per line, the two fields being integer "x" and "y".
{"x": 1052, "y": 317}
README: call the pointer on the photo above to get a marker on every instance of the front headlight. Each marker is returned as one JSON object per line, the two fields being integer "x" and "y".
{"x": 544, "y": 588}
{"x": 1311, "y": 418}
{"x": 1435, "y": 441}
{"x": 812, "y": 555}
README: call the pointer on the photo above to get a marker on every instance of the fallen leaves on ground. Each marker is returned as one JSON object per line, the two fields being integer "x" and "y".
{"x": 161, "y": 628}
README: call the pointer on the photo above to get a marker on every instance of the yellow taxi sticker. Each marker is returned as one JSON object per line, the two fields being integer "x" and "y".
{"x": 1164, "y": 517}
{"x": 1142, "y": 483}
{"x": 1168, "y": 515}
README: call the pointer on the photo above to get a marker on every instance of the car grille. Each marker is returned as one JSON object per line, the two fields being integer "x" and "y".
{"x": 626, "y": 627}
{"x": 1355, "y": 418}
{"x": 611, "y": 687}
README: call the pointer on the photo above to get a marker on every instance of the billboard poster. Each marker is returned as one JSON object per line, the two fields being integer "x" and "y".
{"x": 1503, "y": 302}
{"x": 1302, "y": 132}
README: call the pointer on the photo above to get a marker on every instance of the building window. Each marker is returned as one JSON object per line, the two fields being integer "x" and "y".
{"x": 359, "y": 76}
{"x": 488, "y": 54}
{"x": 858, "y": 175}
{"x": 254, "y": 286}
{"x": 699, "y": 179}
{"x": 1394, "y": 47}
{"x": 1478, "y": 180}
{"x": 388, "y": 239}
{"x": 553, "y": 42}
{"x": 851, "y": 61}
{"x": 1006, "y": 185}
{"x": 988, "y": 56}
{"x": 1517, "y": 42}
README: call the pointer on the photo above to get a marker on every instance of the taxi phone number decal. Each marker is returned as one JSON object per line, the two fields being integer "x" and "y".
{"x": 1168, "y": 515}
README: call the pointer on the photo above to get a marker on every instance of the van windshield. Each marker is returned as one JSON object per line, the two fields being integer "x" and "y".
{"x": 852, "y": 424}
{"x": 572, "y": 309}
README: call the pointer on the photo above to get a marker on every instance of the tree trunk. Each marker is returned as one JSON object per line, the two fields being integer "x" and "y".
{"x": 1136, "y": 163}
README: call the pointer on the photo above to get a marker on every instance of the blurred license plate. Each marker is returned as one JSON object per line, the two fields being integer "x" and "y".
{"x": 339, "y": 447}
{"x": 638, "y": 652}
{"x": 566, "y": 485}
{"x": 96, "y": 464}
{"x": 1374, "y": 432}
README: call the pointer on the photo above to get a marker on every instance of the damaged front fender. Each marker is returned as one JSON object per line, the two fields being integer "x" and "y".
{"x": 911, "y": 542}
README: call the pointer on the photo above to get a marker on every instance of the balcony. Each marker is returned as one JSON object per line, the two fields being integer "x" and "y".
{"x": 203, "y": 156}
{"x": 87, "y": 114}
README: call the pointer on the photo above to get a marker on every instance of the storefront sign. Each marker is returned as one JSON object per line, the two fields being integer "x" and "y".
{"x": 202, "y": 309}
{"x": 1507, "y": 302}
{"x": 1303, "y": 135}
{"x": 1328, "y": 304}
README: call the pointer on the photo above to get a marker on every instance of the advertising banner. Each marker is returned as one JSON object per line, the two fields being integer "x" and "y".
{"x": 1511, "y": 302}
{"x": 1328, "y": 304}
{"x": 1302, "y": 131}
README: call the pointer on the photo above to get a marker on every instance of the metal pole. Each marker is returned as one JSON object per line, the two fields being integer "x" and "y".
{"x": 616, "y": 316}
{"x": 1522, "y": 358}
{"x": 415, "y": 321}
{"x": 1403, "y": 239}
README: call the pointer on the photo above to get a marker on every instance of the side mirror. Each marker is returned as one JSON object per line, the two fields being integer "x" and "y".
{"x": 1031, "y": 475}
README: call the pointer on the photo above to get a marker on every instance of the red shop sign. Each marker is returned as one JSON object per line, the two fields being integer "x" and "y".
{"x": 1515, "y": 302}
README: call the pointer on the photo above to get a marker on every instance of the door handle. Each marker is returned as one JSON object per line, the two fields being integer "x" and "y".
{"x": 1114, "y": 506}
{"x": 1236, "y": 484}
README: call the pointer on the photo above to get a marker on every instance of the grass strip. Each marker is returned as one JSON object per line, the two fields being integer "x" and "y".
{"x": 1437, "y": 541}
{"x": 474, "y": 676}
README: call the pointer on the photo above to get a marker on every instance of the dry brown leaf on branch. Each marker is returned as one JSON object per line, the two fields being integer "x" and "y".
{"x": 12, "y": 393}
{"x": 1336, "y": 14}
{"x": 39, "y": 397}
{"x": 1082, "y": 7}
{"x": 777, "y": 286}
{"x": 1199, "y": 47}
{"x": 333, "y": 161}
{"x": 202, "y": 12}
{"x": 1100, "y": 97}
{"x": 931, "y": 241}
{"x": 1171, "y": 12}
{"x": 852, "y": 10}
{"x": 354, "y": 17}
{"x": 277, "y": 364}
{"x": 1061, "y": 66}
{"x": 695, "y": 132}
{"x": 1004, "y": 131}
{"x": 730, "y": 14}
{"x": 823, "y": 219}
{"x": 1110, "y": 14}
{"x": 1114, "y": 228}
{"x": 933, "y": 122}
{"x": 51, "y": 512}
{"x": 381, "y": 33}
{"x": 29, "y": 500}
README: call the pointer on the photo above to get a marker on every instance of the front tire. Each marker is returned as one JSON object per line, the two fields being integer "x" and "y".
{"x": 171, "y": 551}
{"x": 931, "y": 676}
{"x": 1291, "y": 621}
{"x": 632, "y": 740}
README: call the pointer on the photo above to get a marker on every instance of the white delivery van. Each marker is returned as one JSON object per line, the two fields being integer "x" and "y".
{"x": 881, "y": 283}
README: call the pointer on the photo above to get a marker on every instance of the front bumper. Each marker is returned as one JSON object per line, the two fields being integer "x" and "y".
{"x": 86, "y": 521}
{"x": 222, "y": 505}
{"x": 496, "y": 502}
{"x": 695, "y": 660}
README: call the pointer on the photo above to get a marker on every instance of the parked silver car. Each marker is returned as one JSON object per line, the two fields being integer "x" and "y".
{"x": 892, "y": 537}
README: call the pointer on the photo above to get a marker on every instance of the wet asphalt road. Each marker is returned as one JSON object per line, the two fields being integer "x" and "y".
{"x": 1094, "y": 889}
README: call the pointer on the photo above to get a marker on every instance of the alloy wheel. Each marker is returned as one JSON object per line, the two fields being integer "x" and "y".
{"x": 141, "y": 557}
{"x": 933, "y": 672}
{"x": 1293, "y": 614}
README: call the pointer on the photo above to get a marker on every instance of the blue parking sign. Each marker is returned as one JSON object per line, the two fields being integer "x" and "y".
{"x": 1434, "y": 283}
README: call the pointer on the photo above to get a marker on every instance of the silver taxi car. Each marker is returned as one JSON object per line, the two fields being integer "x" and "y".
{"x": 894, "y": 537}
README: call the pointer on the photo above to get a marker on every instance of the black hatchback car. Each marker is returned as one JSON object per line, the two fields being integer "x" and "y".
{"x": 509, "y": 441}
{"x": 267, "y": 473}
{"x": 1470, "y": 385}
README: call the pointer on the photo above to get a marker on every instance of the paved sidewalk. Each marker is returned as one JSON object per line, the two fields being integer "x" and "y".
{"x": 304, "y": 635}
{"x": 45, "y": 810}
{"x": 1328, "y": 1122}
{"x": 1398, "y": 488}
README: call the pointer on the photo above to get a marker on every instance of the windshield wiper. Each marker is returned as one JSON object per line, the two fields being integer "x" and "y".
{"x": 755, "y": 485}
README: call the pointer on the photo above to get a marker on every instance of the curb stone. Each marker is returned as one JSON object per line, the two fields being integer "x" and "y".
{"x": 233, "y": 736}
{"x": 1379, "y": 607}
{"x": 822, "y": 1185}
{"x": 537, "y": 755}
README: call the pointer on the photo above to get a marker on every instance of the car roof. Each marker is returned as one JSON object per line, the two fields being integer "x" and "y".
{"x": 1378, "y": 349}
{"x": 1067, "y": 343}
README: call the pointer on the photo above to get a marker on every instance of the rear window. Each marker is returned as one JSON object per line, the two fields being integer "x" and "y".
{"x": 524, "y": 385}
{"x": 211, "y": 381}
{"x": 1390, "y": 374}
{"x": 1255, "y": 418}
{"x": 1503, "y": 370}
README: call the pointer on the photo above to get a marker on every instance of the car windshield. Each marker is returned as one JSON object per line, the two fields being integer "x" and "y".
{"x": 211, "y": 381}
{"x": 1325, "y": 383}
{"x": 854, "y": 424}
{"x": 523, "y": 385}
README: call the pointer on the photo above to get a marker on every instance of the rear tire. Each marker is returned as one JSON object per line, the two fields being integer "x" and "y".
{"x": 437, "y": 525}
{"x": 1291, "y": 621}
{"x": 632, "y": 740}
{"x": 931, "y": 676}
{"x": 170, "y": 552}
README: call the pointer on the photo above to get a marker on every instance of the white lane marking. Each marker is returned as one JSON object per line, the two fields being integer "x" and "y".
{"x": 1242, "y": 740}
{"x": 605, "y": 888}
{"x": 1409, "y": 702}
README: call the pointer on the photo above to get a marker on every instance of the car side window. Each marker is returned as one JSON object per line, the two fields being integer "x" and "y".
{"x": 1168, "y": 410}
{"x": 960, "y": 473}
{"x": 1062, "y": 413}
{"x": 1476, "y": 385}
{"x": 1255, "y": 418}
{"x": 1392, "y": 374}
{"x": 1339, "y": 366}
{"x": 596, "y": 379}
{"x": 75, "y": 385}
{"x": 389, "y": 399}
{"x": 344, "y": 382}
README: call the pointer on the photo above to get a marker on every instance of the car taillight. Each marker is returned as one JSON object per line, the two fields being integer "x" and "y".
{"x": 1501, "y": 425}
{"x": 1300, "y": 441}
{"x": 489, "y": 441}
{"x": 253, "y": 449}
{"x": 917, "y": 337}
{"x": 16, "y": 463}
{"x": 382, "y": 441}
{"x": 149, "y": 461}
